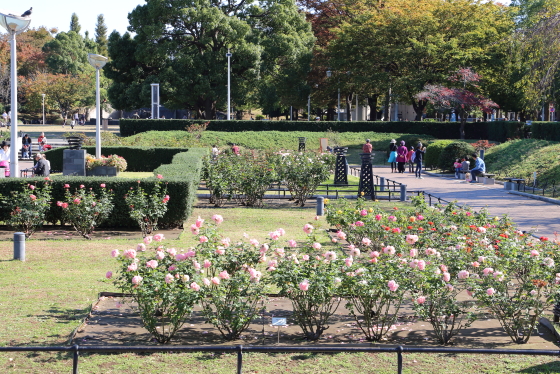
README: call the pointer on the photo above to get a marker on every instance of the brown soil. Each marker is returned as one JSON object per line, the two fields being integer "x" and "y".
{"x": 111, "y": 323}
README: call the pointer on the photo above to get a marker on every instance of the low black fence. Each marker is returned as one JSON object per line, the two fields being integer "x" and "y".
{"x": 240, "y": 349}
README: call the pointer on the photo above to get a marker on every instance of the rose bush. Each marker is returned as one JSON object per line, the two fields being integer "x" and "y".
{"x": 85, "y": 209}
{"x": 147, "y": 208}
{"x": 28, "y": 207}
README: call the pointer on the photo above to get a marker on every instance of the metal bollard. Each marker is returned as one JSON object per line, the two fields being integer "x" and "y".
{"x": 19, "y": 246}
{"x": 403, "y": 192}
{"x": 320, "y": 206}
{"x": 381, "y": 184}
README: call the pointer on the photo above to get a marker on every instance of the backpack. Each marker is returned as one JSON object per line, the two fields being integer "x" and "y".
{"x": 413, "y": 157}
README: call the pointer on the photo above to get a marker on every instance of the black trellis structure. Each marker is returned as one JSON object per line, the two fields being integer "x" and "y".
{"x": 366, "y": 187}
{"x": 75, "y": 142}
{"x": 302, "y": 144}
{"x": 341, "y": 169}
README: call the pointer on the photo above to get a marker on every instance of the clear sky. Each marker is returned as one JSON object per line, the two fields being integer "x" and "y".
{"x": 57, "y": 13}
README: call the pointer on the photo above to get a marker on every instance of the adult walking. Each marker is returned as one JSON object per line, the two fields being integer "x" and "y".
{"x": 478, "y": 169}
{"x": 402, "y": 152}
{"x": 393, "y": 155}
{"x": 418, "y": 158}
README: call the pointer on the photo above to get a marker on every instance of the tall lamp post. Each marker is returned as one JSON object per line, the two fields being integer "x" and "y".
{"x": 43, "y": 108}
{"x": 228, "y": 55}
{"x": 97, "y": 61}
{"x": 14, "y": 25}
{"x": 329, "y": 74}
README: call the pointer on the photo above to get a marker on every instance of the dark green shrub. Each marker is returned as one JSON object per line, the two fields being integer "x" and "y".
{"x": 545, "y": 130}
{"x": 433, "y": 152}
{"x": 452, "y": 152}
{"x": 137, "y": 158}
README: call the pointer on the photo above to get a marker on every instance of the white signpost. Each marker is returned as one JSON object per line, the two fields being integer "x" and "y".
{"x": 279, "y": 322}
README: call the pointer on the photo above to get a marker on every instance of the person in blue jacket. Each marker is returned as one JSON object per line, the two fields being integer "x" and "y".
{"x": 478, "y": 169}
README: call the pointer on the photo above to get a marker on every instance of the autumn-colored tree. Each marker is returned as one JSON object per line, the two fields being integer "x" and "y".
{"x": 456, "y": 96}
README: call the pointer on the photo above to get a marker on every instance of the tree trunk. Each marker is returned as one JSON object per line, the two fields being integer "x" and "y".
{"x": 387, "y": 109}
{"x": 208, "y": 108}
{"x": 372, "y": 104}
{"x": 418, "y": 107}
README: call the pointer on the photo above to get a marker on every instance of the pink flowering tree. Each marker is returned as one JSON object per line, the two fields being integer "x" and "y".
{"x": 456, "y": 96}
{"x": 146, "y": 208}
{"x": 310, "y": 277}
{"x": 231, "y": 285}
{"x": 162, "y": 282}
{"x": 28, "y": 207}
{"x": 85, "y": 209}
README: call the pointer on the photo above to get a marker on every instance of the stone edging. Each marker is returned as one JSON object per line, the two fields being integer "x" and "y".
{"x": 536, "y": 197}
{"x": 546, "y": 323}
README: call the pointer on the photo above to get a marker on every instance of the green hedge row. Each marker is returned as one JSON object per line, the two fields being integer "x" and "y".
{"x": 181, "y": 187}
{"x": 545, "y": 130}
{"x": 137, "y": 158}
{"x": 497, "y": 130}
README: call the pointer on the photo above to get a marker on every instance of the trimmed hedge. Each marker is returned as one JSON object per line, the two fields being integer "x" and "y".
{"x": 453, "y": 151}
{"x": 545, "y": 130}
{"x": 137, "y": 158}
{"x": 497, "y": 131}
{"x": 181, "y": 188}
{"x": 433, "y": 152}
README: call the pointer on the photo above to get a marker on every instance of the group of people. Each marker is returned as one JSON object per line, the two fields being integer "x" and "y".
{"x": 400, "y": 156}
{"x": 6, "y": 118}
{"x": 462, "y": 166}
{"x": 41, "y": 168}
{"x": 27, "y": 146}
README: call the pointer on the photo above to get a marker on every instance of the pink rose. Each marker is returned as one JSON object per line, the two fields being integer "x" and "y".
{"x": 420, "y": 217}
{"x": 330, "y": 255}
{"x": 66, "y": 185}
{"x": 308, "y": 229}
{"x": 449, "y": 287}
{"x": 421, "y": 299}
{"x": 349, "y": 261}
{"x": 446, "y": 277}
{"x": 490, "y": 291}
{"x": 411, "y": 239}
{"x": 109, "y": 274}
{"x": 481, "y": 230}
{"x": 355, "y": 252}
{"x": 206, "y": 281}
{"x": 199, "y": 222}
{"x": 59, "y": 203}
{"x": 378, "y": 217}
{"x": 130, "y": 253}
{"x": 274, "y": 235}
{"x": 159, "y": 176}
{"x": 224, "y": 275}
{"x": 392, "y": 218}
{"x": 195, "y": 286}
{"x": 196, "y": 265}
{"x": 316, "y": 246}
{"x": 374, "y": 254}
{"x": 64, "y": 205}
{"x": 152, "y": 264}
{"x": 172, "y": 268}
{"x": 82, "y": 186}
{"x": 158, "y": 237}
{"x": 421, "y": 264}
{"x": 463, "y": 274}
{"x": 281, "y": 231}
{"x": 305, "y": 257}
{"x": 31, "y": 187}
{"x": 77, "y": 201}
{"x": 218, "y": 219}
{"x": 304, "y": 286}
{"x": 147, "y": 240}
{"x": 359, "y": 223}
{"x": 215, "y": 280}
{"x": 207, "y": 264}
{"x": 363, "y": 212}
{"x": 132, "y": 267}
{"x": 366, "y": 241}
{"x": 203, "y": 239}
{"x": 194, "y": 230}
{"x": 393, "y": 286}
{"x": 136, "y": 279}
{"x": 534, "y": 253}
{"x": 115, "y": 253}
{"x": 220, "y": 251}
{"x": 160, "y": 255}
{"x": 171, "y": 251}
{"x": 475, "y": 264}
{"x": 413, "y": 252}
{"x": 254, "y": 242}
{"x": 487, "y": 271}
{"x": 102, "y": 185}
{"x": 33, "y": 197}
{"x": 168, "y": 278}
{"x": 390, "y": 250}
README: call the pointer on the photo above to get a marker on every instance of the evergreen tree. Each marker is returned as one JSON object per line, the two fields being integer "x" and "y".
{"x": 101, "y": 36}
{"x": 75, "y": 24}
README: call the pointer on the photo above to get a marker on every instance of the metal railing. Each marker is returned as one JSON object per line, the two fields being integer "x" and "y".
{"x": 240, "y": 349}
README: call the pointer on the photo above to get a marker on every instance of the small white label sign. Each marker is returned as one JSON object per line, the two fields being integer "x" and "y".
{"x": 278, "y": 321}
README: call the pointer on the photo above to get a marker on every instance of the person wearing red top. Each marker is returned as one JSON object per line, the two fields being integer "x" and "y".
{"x": 367, "y": 148}
{"x": 410, "y": 161}
{"x": 235, "y": 149}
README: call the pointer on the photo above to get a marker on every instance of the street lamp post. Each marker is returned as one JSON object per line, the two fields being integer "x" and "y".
{"x": 43, "y": 108}
{"x": 228, "y": 55}
{"x": 329, "y": 74}
{"x": 14, "y": 25}
{"x": 97, "y": 61}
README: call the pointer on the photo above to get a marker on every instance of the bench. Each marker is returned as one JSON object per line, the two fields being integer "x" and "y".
{"x": 487, "y": 178}
{"x": 509, "y": 185}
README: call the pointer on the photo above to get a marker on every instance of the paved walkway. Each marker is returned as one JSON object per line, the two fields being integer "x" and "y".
{"x": 542, "y": 218}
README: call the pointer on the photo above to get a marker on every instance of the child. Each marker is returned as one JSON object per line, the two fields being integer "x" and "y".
{"x": 458, "y": 166}
{"x": 468, "y": 177}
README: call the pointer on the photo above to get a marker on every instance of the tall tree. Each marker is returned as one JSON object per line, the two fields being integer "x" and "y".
{"x": 75, "y": 24}
{"x": 101, "y": 36}
{"x": 182, "y": 45}
{"x": 406, "y": 45}
{"x": 67, "y": 54}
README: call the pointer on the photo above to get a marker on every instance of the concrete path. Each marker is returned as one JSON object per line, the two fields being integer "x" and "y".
{"x": 541, "y": 218}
